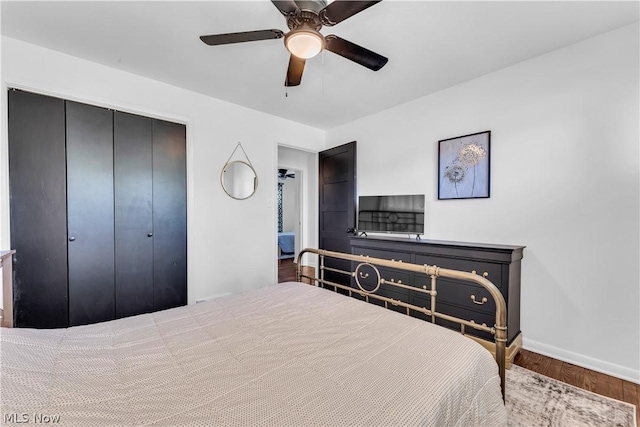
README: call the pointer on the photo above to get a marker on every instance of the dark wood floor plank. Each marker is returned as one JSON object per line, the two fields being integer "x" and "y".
{"x": 605, "y": 385}
{"x": 533, "y": 361}
{"x": 537, "y": 362}
{"x": 571, "y": 374}
{"x": 554, "y": 369}
{"x": 593, "y": 381}
{"x": 287, "y": 271}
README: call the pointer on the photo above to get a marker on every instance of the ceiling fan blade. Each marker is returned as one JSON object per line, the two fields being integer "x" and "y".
{"x": 294, "y": 72}
{"x": 247, "y": 36}
{"x": 355, "y": 53}
{"x": 285, "y": 6}
{"x": 340, "y": 10}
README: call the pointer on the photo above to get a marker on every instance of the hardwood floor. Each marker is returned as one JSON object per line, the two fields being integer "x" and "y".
{"x": 571, "y": 374}
{"x": 287, "y": 271}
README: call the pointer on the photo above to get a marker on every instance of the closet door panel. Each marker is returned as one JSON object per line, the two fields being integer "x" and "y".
{"x": 90, "y": 213}
{"x": 38, "y": 209}
{"x": 169, "y": 215}
{"x": 133, "y": 177}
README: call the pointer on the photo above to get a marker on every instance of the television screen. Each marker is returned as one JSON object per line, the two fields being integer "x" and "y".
{"x": 391, "y": 214}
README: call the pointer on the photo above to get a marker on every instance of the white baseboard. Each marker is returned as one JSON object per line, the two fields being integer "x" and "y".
{"x": 594, "y": 364}
{"x": 224, "y": 294}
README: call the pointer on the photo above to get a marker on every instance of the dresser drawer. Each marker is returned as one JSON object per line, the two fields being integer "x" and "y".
{"x": 368, "y": 280}
{"x": 381, "y": 253}
{"x": 469, "y": 315}
{"x": 464, "y": 294}
{"x": 491, "y": 271}
{"x": 423, "y": 301}
{"x": 394, "y": 293}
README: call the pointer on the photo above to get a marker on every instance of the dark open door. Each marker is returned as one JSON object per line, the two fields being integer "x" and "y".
{"x": 337, "y": 205}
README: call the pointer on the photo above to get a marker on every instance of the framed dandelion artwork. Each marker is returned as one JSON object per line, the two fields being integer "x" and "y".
{"x": 463, "y": 166}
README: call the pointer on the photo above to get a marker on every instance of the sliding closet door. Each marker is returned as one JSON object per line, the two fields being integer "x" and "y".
{"x": 133, "y": 159}
{"x": 169, "y": 215}
{"x": 90, "y": 210}
{"x": 38, "y": 209}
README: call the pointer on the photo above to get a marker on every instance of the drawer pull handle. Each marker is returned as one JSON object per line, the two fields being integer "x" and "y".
{"x": 485, "y": 274}
{"x": 363, "y": 275}
{"x": 474, "y": 322}
{"x": 473, "y": 298}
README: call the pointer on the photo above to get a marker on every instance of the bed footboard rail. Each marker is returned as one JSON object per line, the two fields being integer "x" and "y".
{"x": 498, "y": 330}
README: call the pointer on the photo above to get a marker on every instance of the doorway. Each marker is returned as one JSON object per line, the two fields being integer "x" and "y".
{"x": 297, "y": 181}
{"x": 289, "y": 213}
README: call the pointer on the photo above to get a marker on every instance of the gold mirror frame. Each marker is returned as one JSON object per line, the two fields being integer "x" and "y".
{"x": 239, "y": 178}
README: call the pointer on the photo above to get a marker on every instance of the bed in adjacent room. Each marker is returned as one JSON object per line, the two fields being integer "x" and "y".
{"x": 285, "y": 354}
{"x": 286, "y": 244}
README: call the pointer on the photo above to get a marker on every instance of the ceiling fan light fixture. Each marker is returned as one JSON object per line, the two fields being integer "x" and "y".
{"x": 304, "y": 43}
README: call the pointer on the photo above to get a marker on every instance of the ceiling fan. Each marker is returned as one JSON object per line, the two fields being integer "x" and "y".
{"x": 305, "y": 18}
{"x": 282, "y": 174}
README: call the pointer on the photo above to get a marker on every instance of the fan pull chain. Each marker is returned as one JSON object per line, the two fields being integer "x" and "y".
{"x": 322, "y": 55}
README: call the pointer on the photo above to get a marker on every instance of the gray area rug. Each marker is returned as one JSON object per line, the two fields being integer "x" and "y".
{"x": 534, "y": 400}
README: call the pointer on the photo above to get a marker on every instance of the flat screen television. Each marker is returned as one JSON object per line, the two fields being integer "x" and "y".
{"x": 391, "y": 214}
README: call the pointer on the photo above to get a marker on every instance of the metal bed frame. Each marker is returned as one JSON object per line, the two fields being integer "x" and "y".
{"x": 498, "y": 330}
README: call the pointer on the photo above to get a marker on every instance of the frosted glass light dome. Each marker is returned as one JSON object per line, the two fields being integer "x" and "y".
{"x": 304, "y": 44}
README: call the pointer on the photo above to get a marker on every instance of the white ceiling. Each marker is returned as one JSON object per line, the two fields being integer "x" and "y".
{"x": 431, "y": 45}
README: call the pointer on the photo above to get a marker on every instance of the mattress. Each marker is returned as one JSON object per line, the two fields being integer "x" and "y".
{"x": 286, "y": 241}
{"x": 286, "y": 354}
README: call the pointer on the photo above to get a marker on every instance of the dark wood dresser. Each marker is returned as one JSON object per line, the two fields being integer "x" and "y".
{"x": 498, "y": 263}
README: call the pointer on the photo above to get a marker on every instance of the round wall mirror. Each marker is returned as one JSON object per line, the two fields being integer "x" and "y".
{"x": 239, "y": 179}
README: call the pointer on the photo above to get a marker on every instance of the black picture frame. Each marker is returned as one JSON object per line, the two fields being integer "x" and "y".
{"x": 464, "y": 167}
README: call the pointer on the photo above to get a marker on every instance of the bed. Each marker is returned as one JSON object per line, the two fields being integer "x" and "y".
{"x": 285, "y": 354}
{"x": 286, "y": 244}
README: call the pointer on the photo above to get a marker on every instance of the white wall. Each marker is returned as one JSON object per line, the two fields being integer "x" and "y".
{"x": 224, "y": 235}
{"x": 289, "y": 204}
{"x": 564, "y": 182}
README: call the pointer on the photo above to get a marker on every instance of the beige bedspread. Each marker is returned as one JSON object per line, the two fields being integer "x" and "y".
{"x": 287, "y": 354}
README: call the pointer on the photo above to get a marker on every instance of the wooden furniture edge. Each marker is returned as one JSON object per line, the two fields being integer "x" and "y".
{"x": 511, "y": 350}
{"x": 6, "y": 262}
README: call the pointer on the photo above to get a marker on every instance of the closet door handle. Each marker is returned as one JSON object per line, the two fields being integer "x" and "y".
{"x": 149, "y": 234}
{"x": 72, "y": 239}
